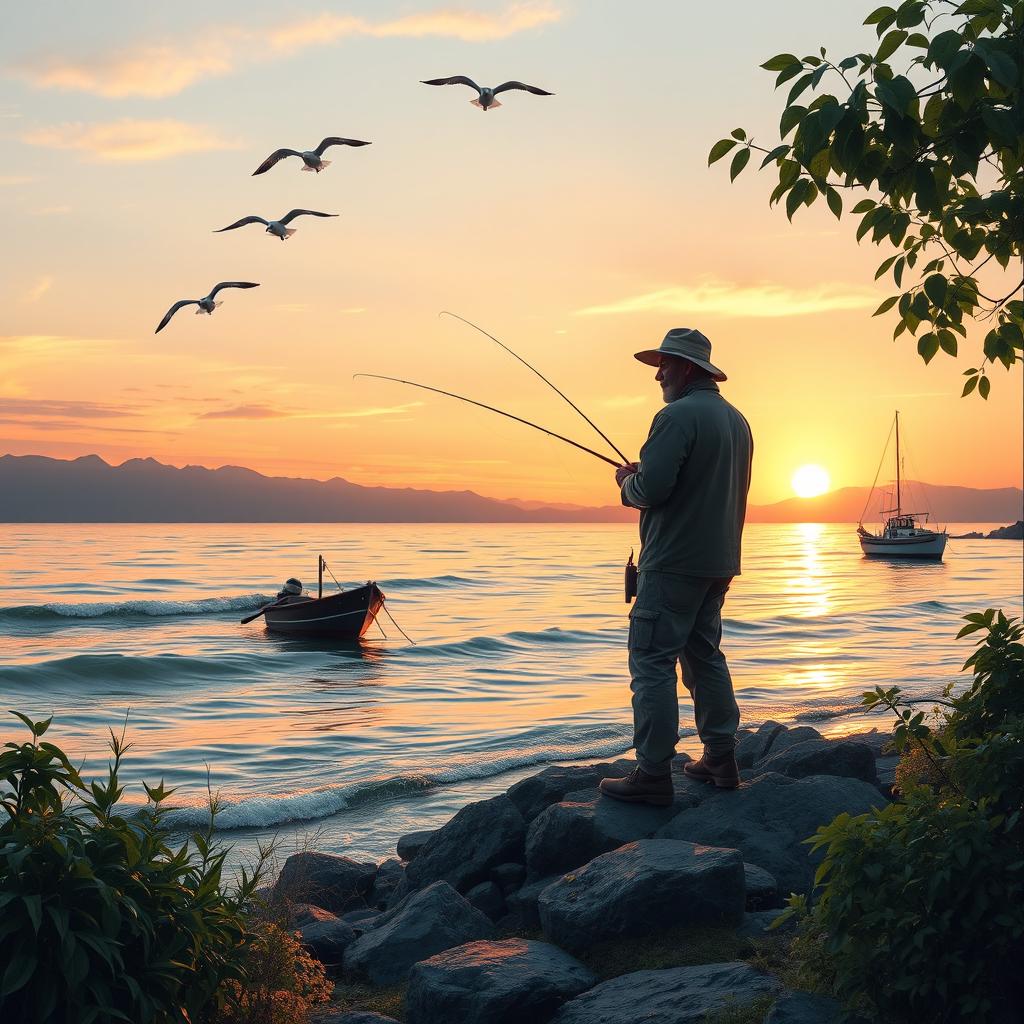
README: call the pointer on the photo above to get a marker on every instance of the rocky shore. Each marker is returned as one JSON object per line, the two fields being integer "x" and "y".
{"x": 535, "y": 905}
{"x": 1012, "y": 532}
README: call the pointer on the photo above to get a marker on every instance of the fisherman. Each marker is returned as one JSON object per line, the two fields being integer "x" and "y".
{"x": 292, "y": 588}
{"x": 690, "y": 486}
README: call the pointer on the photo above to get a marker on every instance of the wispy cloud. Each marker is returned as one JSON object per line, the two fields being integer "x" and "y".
{"x": 714, "y": 297}
{"x": 52, "y": 211}
{"x": 390, "y": 410}
{"x": 39, "y": 289}
{"x": 13, "y": 179}
{"x": 46, "y": 407}
{"x": 129, "y": 140}
{"x": 166, "y": 69}
{"x": 245, "y": 412}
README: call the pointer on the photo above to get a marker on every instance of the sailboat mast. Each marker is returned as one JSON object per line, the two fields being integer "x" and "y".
{"x": 898, "y": 506}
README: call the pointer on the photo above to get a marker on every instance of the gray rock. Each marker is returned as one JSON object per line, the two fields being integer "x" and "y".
{"x": 300, "y": 914}
{"x": 425, "y": 923}
{"x": 509, "y": 877}
{"x": 641, "y": 887}
{"x": 877, "y": 741}
{"x": 505, "y": 982}
{"x": 585, "y": 824}
{"x": 823, "y": 757}
{"x": 335, "y": 883}
{"x": 549, "y": 786}
{"x": 399, "y": 893}
{"x": 362, "y": 920}
{"x": 522, "y": 904}
{"x": 787, "y": 738}
{"x": 754, "y": 746}
{"x": 390, "y": 875}
{"x": 328, "y": 940}
{"x": 762, "y": 890}
{"x": 679, "y": 995}
{"x": 768, "y": 818}
{"x": 758, "y": 923}
{"x": 409, "y": 846}
{"x": 806, "y": 1008}
{"x": 463, "y": 852}
{"x": 487, "y": 898}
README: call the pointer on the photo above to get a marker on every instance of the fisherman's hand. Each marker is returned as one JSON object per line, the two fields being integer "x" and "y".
{"x": 625, "y": 471}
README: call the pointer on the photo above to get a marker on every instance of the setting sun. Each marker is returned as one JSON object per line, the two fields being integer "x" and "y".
{"x": 810, "y": 481}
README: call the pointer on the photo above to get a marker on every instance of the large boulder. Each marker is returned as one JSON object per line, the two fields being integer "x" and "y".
{"x": 522, "y": 904}
{"x": 425, "y": 923}
{"x": 463, "y": 852}
{"x": 754, "y": 746}
{"x": 823, "y": 757}
{"x": 487, "y": 898}
{"x": 641, "y": 887}
{"x": 549, "y": 786}
{"x": 409, "y": 845}
{"x": 786, "y": 738}
{"x": 352, "y": 1017}
{"x": 678, "y": 995}
{"x": 768, "y": 819}
{"x": 509, "y": 877}
{"x": 328, "y": 940}
{"x": 335, "y": 883}
{"x": 762, "y": 890}
{"x": 585, "y": 824}
{"x": 505, "y": 982}
{"x": 390, "y": 876}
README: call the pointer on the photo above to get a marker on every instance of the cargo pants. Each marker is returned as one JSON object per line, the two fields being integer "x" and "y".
{"x": 679, "y": 619}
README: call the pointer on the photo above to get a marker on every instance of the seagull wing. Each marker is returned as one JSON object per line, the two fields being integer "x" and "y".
{"x": 454, "y": 80}
{"x": 231, "y": 284}
{"x": 174, "y": 309}
{"x": 506, "y": 86}
{"x": 242, "y": 223}
{"x": 334, "y": 140}
{"x": 292, "y": 214}
{"x": 278, "y": 154}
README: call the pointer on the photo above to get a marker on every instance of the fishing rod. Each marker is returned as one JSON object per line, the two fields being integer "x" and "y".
{"x": 500, "y": 412}
{"x": 445, "y": 312}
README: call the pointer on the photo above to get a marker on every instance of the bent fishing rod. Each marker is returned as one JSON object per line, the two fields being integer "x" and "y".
{"x": 500, "y": 412}
{"x": 445, "y": 312}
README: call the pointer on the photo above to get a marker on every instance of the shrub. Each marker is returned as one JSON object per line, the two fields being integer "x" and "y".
{"x": 920, "y": 909}
{"x": 284, "y": 984}
{"x": 101, "y": 919}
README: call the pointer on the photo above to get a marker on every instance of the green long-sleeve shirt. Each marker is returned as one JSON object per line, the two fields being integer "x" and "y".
{"x": 691, "y": 487}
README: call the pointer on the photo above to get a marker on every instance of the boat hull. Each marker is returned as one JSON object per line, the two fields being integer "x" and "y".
{"x": 344, "y": 616}
{"x": 931, "y": 546}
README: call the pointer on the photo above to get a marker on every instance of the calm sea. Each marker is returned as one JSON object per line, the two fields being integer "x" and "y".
{"x": 519, "y": 657}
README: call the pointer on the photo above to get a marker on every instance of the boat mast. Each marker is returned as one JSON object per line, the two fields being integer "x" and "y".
{"x": 319, "y": 576}
{"x": 898, "y": 509}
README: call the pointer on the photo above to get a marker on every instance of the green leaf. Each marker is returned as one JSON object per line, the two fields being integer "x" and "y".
{"x": 947, "y": 342}
{"x": 886, "y": 306}
{"x": 878, "y": 14}
{"x": 719, "y": 149}
{"x": 968, "y": 388}
{"x": 780, "y": 62}
{"x": 778, "y": 151}
{"x": 935, "y": 287}
{"x": 19, "y": 970}
{"x": 739, "y": 134}
{"x": 864, "y": 205}
{"x": 791, "y": 117}
{"x": 835, "y": 201}
{"x": 890, "y": 44}
{"x": 984, "y": 387}
{"x": 739, "y": 161}
{"x": 927, "y": 346}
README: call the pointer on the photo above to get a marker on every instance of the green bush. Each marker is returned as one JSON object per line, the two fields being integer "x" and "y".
{"x": 100, "y": 919}
{"x": 920, "y": 905}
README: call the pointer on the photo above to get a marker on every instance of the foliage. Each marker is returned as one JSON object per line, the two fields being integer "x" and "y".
{"x": 921, "y": 904}
{"x": 101, "y": 919}
{"x": 939, "y": 146}
{"x": 284, "y": 984}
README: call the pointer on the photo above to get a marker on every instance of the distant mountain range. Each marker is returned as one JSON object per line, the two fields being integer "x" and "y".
{"x": 37, "y": 489}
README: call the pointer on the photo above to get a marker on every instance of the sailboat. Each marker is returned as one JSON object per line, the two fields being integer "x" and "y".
{"x": 902, "y": 536}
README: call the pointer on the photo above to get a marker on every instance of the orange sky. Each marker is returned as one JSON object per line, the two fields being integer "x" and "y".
{"x": 577, "y": 228}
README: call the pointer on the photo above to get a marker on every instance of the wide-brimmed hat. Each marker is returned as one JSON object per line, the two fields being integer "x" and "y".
{"x": 686, "y": 343}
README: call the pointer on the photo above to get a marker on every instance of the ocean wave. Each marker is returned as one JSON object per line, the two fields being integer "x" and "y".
{"x": 430, "y": 583}
{"x": 125, "y": 668}
{"x": 56, "y": 611}
{"x": 323, "y": 802}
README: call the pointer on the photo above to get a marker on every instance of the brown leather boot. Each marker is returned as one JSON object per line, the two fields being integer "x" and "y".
{"x": 640, "y": 788}
{"x": 722, "y": 770}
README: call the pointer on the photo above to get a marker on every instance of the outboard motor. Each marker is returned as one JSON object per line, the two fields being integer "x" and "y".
{"x": 292, "y": 588}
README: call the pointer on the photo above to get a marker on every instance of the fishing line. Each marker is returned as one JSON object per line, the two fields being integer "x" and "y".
{"x": 877, "y": 471}
{"x": 561, "y": 394}
{"x": 491, "y": 408}
{"x": 396, "y": 625}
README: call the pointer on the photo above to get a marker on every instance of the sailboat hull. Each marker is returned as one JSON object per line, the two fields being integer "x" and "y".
{"x": 931, "y": 546}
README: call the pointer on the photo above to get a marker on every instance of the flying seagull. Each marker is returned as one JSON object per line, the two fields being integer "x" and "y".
{"x": 277, "y": 228}
{"x": 207, "y": 304}
{"x": 486, "y": 96}
{"x": 312, "y": 159}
